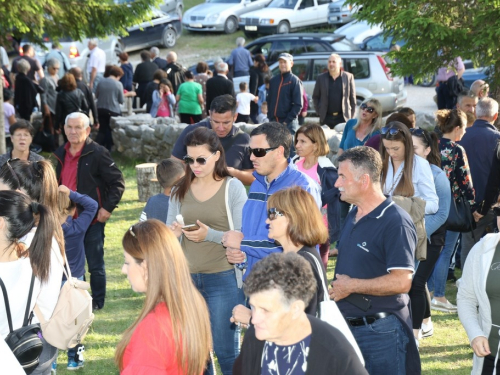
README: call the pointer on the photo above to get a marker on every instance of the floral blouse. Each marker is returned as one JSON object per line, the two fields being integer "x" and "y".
{"x": 460, "y": 179}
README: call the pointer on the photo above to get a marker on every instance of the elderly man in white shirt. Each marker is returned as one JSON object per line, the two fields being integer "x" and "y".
{"x": 96, "y": 64}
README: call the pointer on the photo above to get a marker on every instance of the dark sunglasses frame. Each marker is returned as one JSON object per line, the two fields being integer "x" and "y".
{"x": 273, "y": 213}
{"x": 391, "y": 131}
{"x": 364, "y": 106}
{"x": 421, "y": 132}
{"x": 261, "y": 152}
{"x": 201, "y": 161}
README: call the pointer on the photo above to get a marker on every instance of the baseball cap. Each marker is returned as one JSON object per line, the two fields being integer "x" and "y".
{"x": 285, "y": 56}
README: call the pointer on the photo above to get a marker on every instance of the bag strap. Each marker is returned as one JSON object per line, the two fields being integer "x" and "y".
{"x": 7, "y": 306}
{"x": 320, "y": 271}
{"x": 228, "y": 209}
{"x": 28, "y": 304}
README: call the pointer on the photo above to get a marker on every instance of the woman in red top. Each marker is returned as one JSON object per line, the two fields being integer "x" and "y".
{"x": 172, "y": 333}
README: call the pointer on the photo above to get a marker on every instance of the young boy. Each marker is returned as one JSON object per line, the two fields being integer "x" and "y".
{"x": 74, "y": 232}
{"x": 262, "y": 117}
{"x": 243, "y": 100}
{"x": 168, "y": 172}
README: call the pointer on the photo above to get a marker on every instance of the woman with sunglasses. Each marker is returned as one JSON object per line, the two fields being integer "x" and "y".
{"x": 452, "y": 124}
{"x": 211, "y": 203}
{"x": 287, "y": 209}
{"x": 404, "y": 173}
{"x": 171, "y": 335}
{"x": 425, "y": 145}
{"x": 311, "y": 147}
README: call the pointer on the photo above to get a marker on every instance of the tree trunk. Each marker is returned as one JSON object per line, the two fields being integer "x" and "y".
{"x": 147, "y": 184}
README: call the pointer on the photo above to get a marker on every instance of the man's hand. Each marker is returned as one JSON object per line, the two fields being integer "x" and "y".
{"x": 477, "y": 216}
{"x": 64, "y": 189}
{"x": 235, "y": 256}
{"x": 241, "y": 314}
{"x": 232, "y": 238}
{"x": 103, "y": 215}
{"x": 198, "y": 235}
{"x": 341, "y": 288}
{"x": 96, "y": 125}
{"x": 481, "y": 346}
{"x": 303, "y": 114}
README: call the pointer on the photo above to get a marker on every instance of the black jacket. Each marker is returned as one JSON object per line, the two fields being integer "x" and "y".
{"x": 97, "y": 175}
{"x": 217, "y": 86}
{"x": 87, "y": 93}
{"x": 175, "y": 73}
{"x": 284, "y": 98}
{"x": 162, "y": 63}
{"x": 68, "y": 102}
{"x": 25, "y": 95}
{"x": 329, "y": 353}
{"x": 143, "y": 74}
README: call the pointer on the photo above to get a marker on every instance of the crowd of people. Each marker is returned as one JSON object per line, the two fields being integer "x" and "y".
{"x": 232, "y": 254}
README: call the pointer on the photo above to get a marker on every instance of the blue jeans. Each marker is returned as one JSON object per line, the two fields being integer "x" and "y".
{"x": 437, "y": 281}
{"x": 221, "y": 294}
{"x": 383, "y": 345}
{"x": 94, "y": 252}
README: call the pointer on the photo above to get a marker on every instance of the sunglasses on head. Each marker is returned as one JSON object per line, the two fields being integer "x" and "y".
{"x": 420, "y": 133}
{"x": 391, "y": 131}
{"x": 273, "y": 213}
{"x": 365, "y": 107}
{"x": 201, "y": 161}
{"x": 261, "y": 152}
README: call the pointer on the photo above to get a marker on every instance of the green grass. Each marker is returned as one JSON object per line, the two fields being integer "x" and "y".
{"x": 447, "y": 352}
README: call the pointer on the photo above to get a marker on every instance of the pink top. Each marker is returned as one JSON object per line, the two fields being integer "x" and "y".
{"x": 447, "y": 72}
{"x": 313, "y": 173}
{"x": 164, "y": 108}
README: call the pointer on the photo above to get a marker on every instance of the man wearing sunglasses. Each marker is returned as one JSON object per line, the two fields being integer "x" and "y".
{"x": 270, "y": 151}
{"x": 334, "y": 94}
{"x": 234, "y": 141}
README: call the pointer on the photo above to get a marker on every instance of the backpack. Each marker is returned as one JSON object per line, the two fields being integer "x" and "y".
{"x": 72, "y": 316}
{"x": 25, "y": 342}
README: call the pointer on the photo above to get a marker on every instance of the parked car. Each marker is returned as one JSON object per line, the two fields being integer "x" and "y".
{"x": 283, "y": 16}
{"x": 219, "y": 15}
{"x": 340, "y": 13}
{"x": 358, "y": 31}
{"x": 172, "y": 6}
{"x": 372, "y": 78}
{"x": 381, "y": 43}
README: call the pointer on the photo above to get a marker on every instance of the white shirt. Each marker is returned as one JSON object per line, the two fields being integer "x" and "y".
{"x": 4, "y": 57}
{"x": 423, "y": 182}
{"x": 97, "y": 60}
{"x": 244, "y": 99}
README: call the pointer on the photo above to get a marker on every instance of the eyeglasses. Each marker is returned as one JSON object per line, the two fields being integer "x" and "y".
{"x": 421, "y": 133}
{"x": 261, "y": 152}
{"x": 201, "y": 161}
{"x": 365, "y": 107}
{"x": 273, "y": 213}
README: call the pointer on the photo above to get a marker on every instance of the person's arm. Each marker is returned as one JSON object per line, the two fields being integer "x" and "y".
{"x": 316, "y": 94}
{"x": 352, "y": 96}
{"x": 59, "y": 111}
{"x": 43, "y": 97}
{"x": 425, "y": 185}
{"x": 12, "y": 119}
{"x": 93, "y": 108}
{"x": 39, "y": 70}
{"x": 171, "y": 99}
{"x": 120, "y": 96}
{"x": 297, "y": 102}
{"x": 113, "y": 179}
{"x": 460, "y": 67}
{"x": 84, "y": 106}
{"x": 93, "y": 74}
{"x": 245, "y": 176}
{"x": 177, "y": 98}
{"x": 200, "y": 99}
{"x": 434, "y": 222}
{"x": 85, "y": 217}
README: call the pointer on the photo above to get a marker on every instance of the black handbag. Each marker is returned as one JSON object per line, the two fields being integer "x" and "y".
{"x": 25, "y": 342}
{"x": 460, "y": 218}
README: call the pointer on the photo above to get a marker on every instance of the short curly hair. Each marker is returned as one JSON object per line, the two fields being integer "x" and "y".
{"x": 287, "y": 272}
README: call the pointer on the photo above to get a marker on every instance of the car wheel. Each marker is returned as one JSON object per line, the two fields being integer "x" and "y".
{"x": 169, "y": 38}
{"x": 283, "y": 27}
{"x": 231, "y": 25}
{"x": 428, "y": 80}
{"x": 250, "y": 34}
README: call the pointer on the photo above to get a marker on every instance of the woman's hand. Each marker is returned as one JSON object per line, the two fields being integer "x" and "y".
{"x": 176, "y": 228}
{"x": 235, "y": 256}
{"x": 480, "y": 346}
{"x": 198, "y": 235}
{"x": 241, "y": 314}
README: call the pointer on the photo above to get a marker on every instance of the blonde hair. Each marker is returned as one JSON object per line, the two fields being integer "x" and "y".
{"x": 169, "y": 282}
{"x": 377, "y": 121}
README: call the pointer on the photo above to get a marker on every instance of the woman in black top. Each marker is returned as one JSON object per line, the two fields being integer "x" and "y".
{"x": 258, "y": 72}
{"x": 70, "y": 99}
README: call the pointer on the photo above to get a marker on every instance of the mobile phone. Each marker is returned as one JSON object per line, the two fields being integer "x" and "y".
{"x": 191, "y": 227}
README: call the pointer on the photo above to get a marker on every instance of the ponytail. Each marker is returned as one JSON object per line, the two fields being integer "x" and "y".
{"x": 41, "y": 245}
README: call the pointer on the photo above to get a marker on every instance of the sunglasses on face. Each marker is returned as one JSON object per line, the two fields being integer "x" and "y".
{"x": 365, "y": 107}
{"x": 201, "y": 161}
{"x": 273, "y": 213}
{"x": 261, "y": 152}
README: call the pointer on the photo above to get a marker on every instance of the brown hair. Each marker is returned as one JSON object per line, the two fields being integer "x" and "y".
{"x": 399, "y": 117}
{"x": 296, "y": 204}
{"x": 202, "y": 67}
{"x": 261, "y": 59}
{"x": 405, "y": 186}
{"x": 169, "y": 282}
{"x": 123, "y": 56}
{"x": 317, "y": 136}
{"x": 201, "y": 137}
{"x": 113, "y": 70}
{"x": 159, "y": 74}
{"x": 168, "y": 172}
{"x": 448, "y": 119}
{"x": 67, "y": 82}
{"x": 66, "y": 205}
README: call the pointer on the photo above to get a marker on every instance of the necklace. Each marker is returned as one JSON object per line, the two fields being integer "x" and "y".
{"x": 394, "y": 181}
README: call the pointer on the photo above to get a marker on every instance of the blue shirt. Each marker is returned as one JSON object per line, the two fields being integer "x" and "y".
{"x": 156, "y": 208}
{"x": 128, "y": 73}
{"x": 434, "y": 221}
{"x": 349, "y": 139}
{"x": 383, "y": 240}
{"x": 240, "y": 59}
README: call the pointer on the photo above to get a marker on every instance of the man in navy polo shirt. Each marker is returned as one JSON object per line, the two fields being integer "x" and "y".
{"x": 374, "y": 267}
{"x": 234, "y": 141}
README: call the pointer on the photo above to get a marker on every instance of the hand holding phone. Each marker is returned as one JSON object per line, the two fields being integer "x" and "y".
{"x": 191, "y": 227}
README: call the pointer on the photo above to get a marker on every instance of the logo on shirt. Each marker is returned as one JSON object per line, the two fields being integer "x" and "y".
{"x": 362, "y": 246}
{"x": 495, "y": 266}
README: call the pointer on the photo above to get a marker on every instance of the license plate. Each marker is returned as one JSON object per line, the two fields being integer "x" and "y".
{"x": 251, "y": 28}
{"x": 334, "y": 19}
{"x": 197, "y": 25}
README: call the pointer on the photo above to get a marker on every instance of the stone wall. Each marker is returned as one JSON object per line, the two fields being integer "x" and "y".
{"x": 152, "y": 139}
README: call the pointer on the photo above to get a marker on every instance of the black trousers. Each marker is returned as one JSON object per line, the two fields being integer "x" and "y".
{"x": 104, "y": 137}
{"x": 489, "y": 365}
{"x": 189, "y": 119}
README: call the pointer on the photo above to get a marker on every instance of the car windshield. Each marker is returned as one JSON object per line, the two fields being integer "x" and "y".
{"x": 224, "y": 1}
{"x": 288, "y": 4}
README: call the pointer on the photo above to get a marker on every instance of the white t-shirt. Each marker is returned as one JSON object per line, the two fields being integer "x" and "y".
{"x": 8, "y": 110}
{"x": 97, "y": 60}
{"x": 244, "y": 99}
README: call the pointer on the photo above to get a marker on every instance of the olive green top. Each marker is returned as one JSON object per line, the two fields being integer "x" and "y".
{"x": 493, "y": 293}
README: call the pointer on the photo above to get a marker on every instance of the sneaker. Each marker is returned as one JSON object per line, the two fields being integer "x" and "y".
{"x": 443, "y": 306}
{"x": 53, "y": 368}
{"x": 73, "y": 365}
{"x": 427, "y": 329}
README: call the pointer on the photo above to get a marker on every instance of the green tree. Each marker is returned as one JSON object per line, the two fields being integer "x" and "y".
{"x": 437, "y": 31}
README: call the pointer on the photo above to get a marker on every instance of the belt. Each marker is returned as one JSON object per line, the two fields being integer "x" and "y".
{"x": 365, "y": 320}
{"x": 335, "y": 113}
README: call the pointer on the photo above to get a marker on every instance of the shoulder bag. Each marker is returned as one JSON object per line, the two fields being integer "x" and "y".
{"x": 25, "y": 342}
{"x": 460, "y": 218}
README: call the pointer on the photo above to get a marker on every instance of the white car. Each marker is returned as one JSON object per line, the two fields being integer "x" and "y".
{"x": 359, "y": 31}
{"x": 219, "y": 15}
{"x": 282, "y": 16}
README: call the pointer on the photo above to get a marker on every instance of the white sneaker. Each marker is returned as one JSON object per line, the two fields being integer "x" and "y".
{"x": 427, "y": 329}
{"x": 443, "y": 306}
